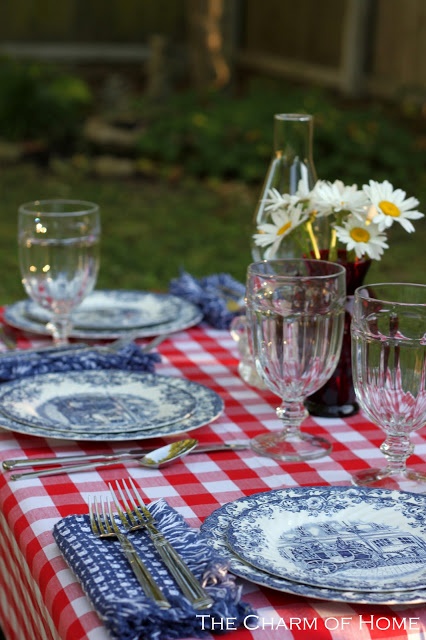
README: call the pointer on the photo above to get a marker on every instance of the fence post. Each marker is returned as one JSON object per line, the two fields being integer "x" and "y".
{"x": 355, "y": 35}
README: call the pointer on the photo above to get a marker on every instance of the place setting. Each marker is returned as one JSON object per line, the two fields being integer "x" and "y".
{"x": 59, "y": 259}
{"x": 91, "y": 392}
{"x": 144, "y": 569}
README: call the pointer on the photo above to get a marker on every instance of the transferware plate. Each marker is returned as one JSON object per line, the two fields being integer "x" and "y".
{"x": 351, "y": 546}
{"x": 185, "y": 315}
{"x": 95, "y": 399}
{"x": 208, "y": 407}
{"x": 411, "y": 506}
{"x": 116, "y": 310}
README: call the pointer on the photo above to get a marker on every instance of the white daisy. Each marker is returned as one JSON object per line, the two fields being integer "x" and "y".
{"x": 391, "y": 205}
{"x": 283, "y": 223}
{"x": 303, "y": 192}
{"x": 277, "y": 201}
{"x": 334, "y": 197}
{"x": 362, "y": 237}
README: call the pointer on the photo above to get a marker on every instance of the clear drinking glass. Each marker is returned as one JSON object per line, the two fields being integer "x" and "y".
{"x": 295, "y": 317}
{"x": 58, "y": 244}
{"x": 389, "y": 371}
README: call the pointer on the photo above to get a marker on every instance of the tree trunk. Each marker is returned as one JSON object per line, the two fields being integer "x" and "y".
{"x": 211, "y": 41}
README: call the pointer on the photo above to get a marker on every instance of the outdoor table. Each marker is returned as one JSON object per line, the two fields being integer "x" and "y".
{"x": 40, "y": 597}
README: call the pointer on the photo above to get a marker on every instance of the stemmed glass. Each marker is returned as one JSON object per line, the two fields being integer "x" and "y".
{"x": 58, "y": 244}
{"x": 389, "y": 371}
{"x": 295, "y": 318}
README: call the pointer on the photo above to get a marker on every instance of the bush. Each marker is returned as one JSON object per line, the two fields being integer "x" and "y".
{"x": 231, "y": 137}
{"x": 40, "y": 102}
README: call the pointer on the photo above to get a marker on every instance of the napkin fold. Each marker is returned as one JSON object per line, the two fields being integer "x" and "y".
{"x": 220, "y": 297}
{"x": 108, "y": 580}
{"x": 129, "y": 357}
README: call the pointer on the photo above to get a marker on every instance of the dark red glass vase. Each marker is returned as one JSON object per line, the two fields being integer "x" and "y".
{"x": 337, "y": 397}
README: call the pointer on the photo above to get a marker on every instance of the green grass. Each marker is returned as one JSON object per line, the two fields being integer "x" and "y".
{"x": 152, "y": 229}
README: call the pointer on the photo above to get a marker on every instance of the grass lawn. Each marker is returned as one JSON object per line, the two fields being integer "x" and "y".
{"x": 152, "y": 229}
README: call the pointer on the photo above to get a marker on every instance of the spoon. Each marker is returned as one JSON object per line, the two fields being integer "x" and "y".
{"x": 154, "y": 460}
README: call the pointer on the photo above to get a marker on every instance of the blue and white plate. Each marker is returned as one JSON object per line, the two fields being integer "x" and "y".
{"x": 95, "y": 400}
{"x": 185, "y": 315}
{"x": 116, "y": 310}
{"x": 350, "y": 545}
{"x": 320, "y": 503}
{"x": 208, "y": 407}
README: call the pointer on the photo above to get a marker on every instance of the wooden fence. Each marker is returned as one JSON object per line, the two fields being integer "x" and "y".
{"x": 356, "y": 46}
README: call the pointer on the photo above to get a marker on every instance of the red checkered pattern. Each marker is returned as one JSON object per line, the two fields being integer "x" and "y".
{"x": 40, "y": 597}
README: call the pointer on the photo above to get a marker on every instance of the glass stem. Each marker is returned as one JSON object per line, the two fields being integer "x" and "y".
{"x": 60, "y": 326}
{"x": 397, "y": 449}
{"x": 292, "y": 414}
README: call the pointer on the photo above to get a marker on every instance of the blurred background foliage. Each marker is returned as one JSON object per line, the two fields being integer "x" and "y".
{"x": 198, "y": 159}
{"x": 42, "y": 102}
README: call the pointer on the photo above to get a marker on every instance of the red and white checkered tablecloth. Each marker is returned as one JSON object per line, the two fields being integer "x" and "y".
{"x": 39, "y": 595}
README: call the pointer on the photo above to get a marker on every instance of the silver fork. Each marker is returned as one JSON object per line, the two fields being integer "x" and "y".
{"x": 103, "y": 525}
{"x": 140, "y": 518}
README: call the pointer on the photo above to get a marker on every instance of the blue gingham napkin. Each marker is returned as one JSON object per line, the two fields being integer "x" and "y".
{"x": 219, "y": 296}
{"x": 108, "y": 580}
{"x": 129, "y": 357}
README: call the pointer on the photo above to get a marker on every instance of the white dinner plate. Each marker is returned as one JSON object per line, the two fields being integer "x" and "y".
{"x": 116, "y": 310}
{"x": 208, "y": 407}
{"x": 352, "y": 546}
{"x": 186, "y": 315}
{"x": 406, "y": 506}
{"x": 95, "y": 399}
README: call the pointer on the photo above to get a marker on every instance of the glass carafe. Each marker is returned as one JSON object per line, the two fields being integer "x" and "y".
{"x": 291, "y": 169}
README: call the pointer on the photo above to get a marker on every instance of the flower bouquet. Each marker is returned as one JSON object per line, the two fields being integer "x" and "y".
{"x": 356, "y": 219}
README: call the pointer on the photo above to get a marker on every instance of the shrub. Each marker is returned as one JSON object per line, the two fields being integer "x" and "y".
{"x": 231, "y": 137}
{"x": 40, "y": 102}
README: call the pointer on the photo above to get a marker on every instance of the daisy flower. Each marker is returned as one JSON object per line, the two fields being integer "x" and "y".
{"x": 391, "y": 205}
{"x": 336, "y": 197}
{"x": 276, "y": 200}
{"x": 283, "y": 223}
{"x": 362, "y": 237}
{"x": 333, "y": 213}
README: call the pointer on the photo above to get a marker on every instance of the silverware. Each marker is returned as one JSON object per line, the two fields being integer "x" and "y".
{"x": 104, "y": 459}
{"x": 103, "y": 526}
{"x": 140, "y": 518}
{"x": 82, "y": 347}
{"x": 154, "y": 459}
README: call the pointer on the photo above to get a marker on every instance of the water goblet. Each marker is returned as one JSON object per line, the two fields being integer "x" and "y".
{"x": 58, "y": 244}
{"x": 295, "y": 317}
{"x": 389, "y": 370}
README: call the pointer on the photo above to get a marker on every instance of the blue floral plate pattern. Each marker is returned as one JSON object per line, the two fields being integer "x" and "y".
{"x": 321, "y": 503}
{"x": 95, "y": 400}
{"x": 116, "y": 310}
{"x": 185, "y": 315}
{"x": 208, "y": 407}
{"x": 347, "y": 545}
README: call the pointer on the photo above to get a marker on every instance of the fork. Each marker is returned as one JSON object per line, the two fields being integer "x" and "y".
{"x": 141, "y": 518}
{"x": 104, "y": 526}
